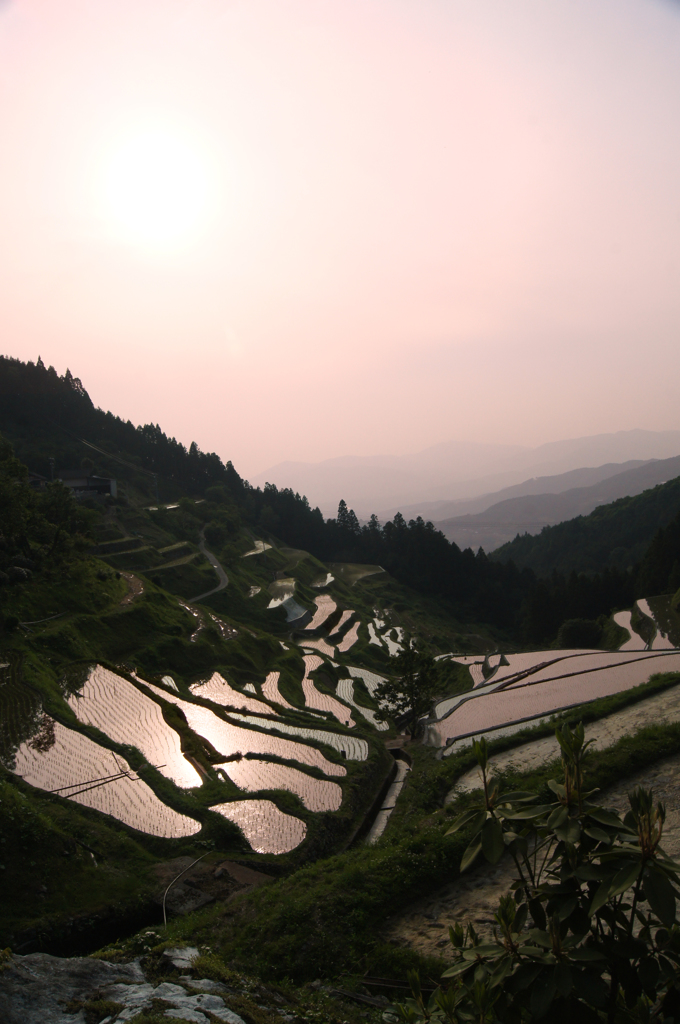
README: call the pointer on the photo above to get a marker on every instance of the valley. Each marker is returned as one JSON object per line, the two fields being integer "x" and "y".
{"x": 192, "y": 682}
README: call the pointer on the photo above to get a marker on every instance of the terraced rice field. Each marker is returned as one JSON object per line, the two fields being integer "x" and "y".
{"x": 319, "y": 645}
{"x": 126, "y": 715}
{"x": 218, "y": 690}
{"x": 371, "y": 680}
{"x": 346, "y": 693}
{"x": 323, "y": 581}
{"x": 230, "y": 739}
{"x": 605, "y": 732}
{"x": 393, "y": 646}
{"x": 346, "y": 615}
{"x": 322, "y": 701}
{"x": 281, "y": 590}
{"x": 351, "y": 747}
{"x": 73, "y": 760}
{"x": 352, "y": 572}
{"x": 267, "y": 829}
{"x": 636, "y": 643}
{"x": 551, "y": 689}
{"x": 349, "y": 639}
{"x": 667, "y": 619}
{"x": 661, "y": 641}
{"x": 270, "y": 689}
{"x": 325, "y": 606}
{"x": 373, "y": 637}
{"x": 260, "y": 548}
{"x": 254, "y": 776}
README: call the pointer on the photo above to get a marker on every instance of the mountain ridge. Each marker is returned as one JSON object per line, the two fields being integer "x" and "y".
{"x": 456, "y": 469}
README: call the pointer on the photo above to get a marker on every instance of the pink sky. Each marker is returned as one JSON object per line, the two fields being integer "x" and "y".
{"x": 422, "y": 219}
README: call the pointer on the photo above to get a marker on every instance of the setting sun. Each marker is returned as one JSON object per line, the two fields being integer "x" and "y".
{"x": 156, "y": 188}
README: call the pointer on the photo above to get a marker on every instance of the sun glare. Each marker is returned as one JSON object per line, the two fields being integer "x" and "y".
{"x": 156, "y": 189}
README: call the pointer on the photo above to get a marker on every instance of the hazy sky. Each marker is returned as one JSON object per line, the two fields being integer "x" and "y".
{"x": 296, "y": 229}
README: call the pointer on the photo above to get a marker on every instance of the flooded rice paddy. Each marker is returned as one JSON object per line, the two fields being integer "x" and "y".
{"x": 351, "y": 747}
{"x": 319, "y": 645}
{"x": 267, "y": 829}
{"x": 65, "y": 761}
{"x": 325, "y": 606}
{"x": 373, "y": 637}
{"x": 270, "y": 690}
{"x": 661, "y": 639}
{"x": 255, "y": 776}
{"x": 349, "y": 639}
{"x": 260, "y": 548}
{"x": 572, "y": 681}
{"x": 218, "y": 690}
{"x": 346, "y": 693}
{"x": 636, "y": 643}
{"x": 229, "y": 739}
{"x": 662, "y": 707}
{"x": 126, "y": 715}
{"x": 319, "y": 701}
{"x": 281, "y": 590}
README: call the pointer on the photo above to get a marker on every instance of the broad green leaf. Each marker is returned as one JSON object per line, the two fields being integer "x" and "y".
{"x": 567, "y": 909}
{"x": 471, "y": 854}
{"x": 597, "y": 833}
{"x": 600, "y": 897}
{"x": 537, "y": 914}
{"x": 459, "y": 968}
{"x": 474, "y": 817}
{"x": 660, "y": 895}
{"x": 624, "y": 878}
{"x": 529, "y": 812}
{"x": 558, "y": 817}
{"x": 604, "y": 817}
{"x": 492, "y": 840}
{"x": 501, "y": 972}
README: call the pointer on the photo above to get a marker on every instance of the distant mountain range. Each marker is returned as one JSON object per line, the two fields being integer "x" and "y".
{"x": 529, "y": 512}
{"x": 458, "y": 471}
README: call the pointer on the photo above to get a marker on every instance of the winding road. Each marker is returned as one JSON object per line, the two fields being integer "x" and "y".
{"x": 221, "y": 574}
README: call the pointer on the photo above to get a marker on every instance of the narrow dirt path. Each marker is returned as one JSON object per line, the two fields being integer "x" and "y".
{"x": 221, "y": 574}
{"x": 424, "y": 925}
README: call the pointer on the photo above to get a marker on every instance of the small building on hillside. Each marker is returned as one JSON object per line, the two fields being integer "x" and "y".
{"x": 84, "y": 486}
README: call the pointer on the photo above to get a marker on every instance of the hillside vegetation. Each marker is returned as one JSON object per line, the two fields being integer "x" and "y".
{"x": 614, "y": 536}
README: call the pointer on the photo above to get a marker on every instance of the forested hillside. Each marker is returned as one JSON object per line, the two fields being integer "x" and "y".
{"x": 614, "y": 536}
{"x": 50, "y": 417}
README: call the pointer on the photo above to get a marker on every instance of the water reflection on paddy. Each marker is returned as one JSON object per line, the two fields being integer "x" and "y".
{"x": 351, "y": 747}
{"x": 126, "y": 715}
{"x": 221, "y": 692}
{"x": 270, "y": 689}
{"x": 349, "y": 639}
{"x": 61, "y": 757}
{"x": 231, "y": 739}
{"x": 267, "y": 829}
{"x": 346, "y": 691}
{"x": 322, "y": 701}
{"x": 254, "y": 775}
